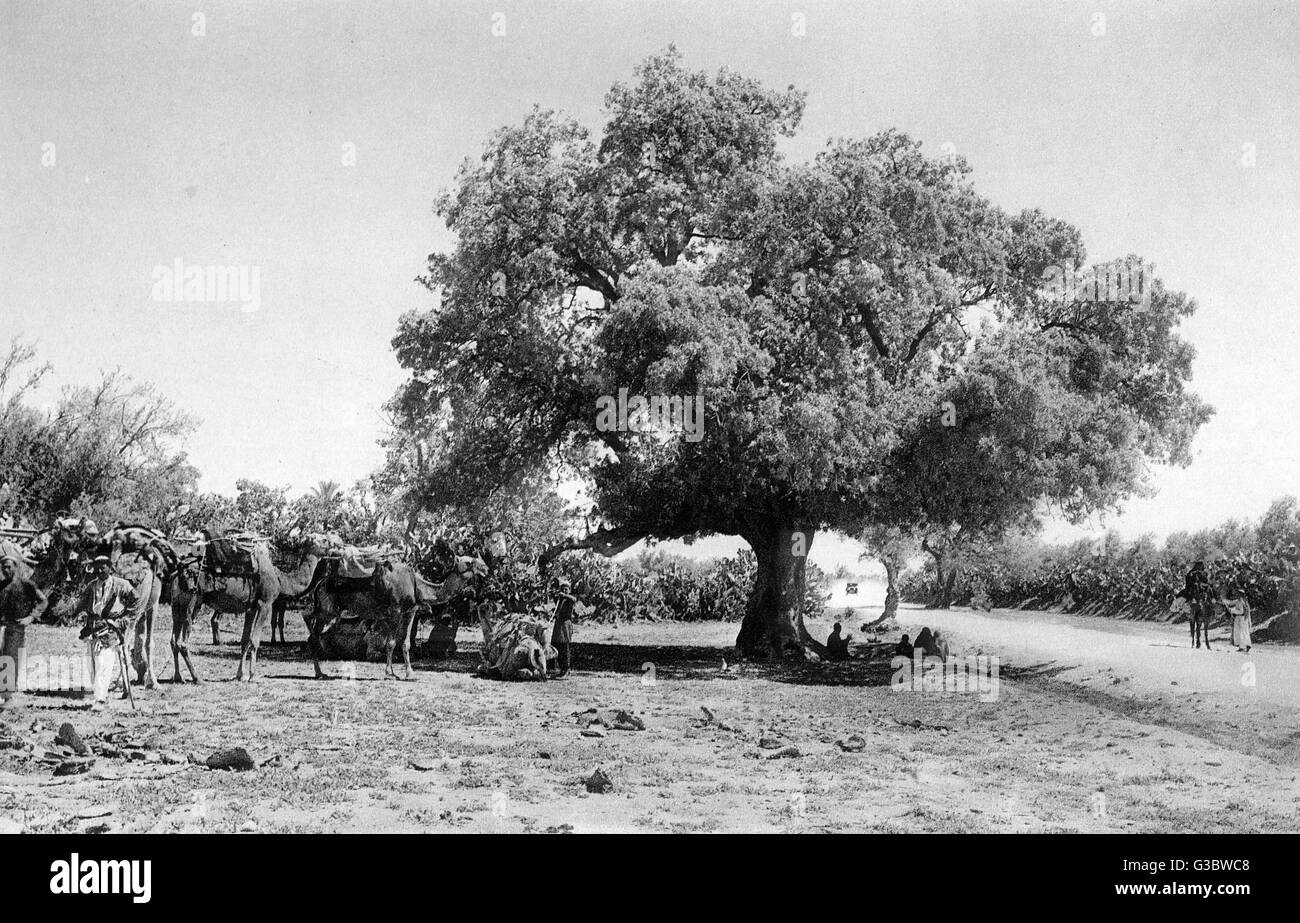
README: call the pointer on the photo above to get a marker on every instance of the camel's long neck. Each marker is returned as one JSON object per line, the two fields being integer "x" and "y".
{"x": 48, "y": 572}
{"x": 299, "y": 579}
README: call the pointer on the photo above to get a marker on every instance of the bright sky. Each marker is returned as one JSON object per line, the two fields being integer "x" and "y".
{"x": 227, "y": 148}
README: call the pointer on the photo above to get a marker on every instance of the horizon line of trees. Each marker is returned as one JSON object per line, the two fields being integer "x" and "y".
{"x": 1135, "y": 578}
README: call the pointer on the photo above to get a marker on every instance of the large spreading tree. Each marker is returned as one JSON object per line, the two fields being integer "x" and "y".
{"x": 872, "y": 340}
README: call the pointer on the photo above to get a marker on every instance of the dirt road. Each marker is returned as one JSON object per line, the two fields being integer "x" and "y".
{"x": 1148, "y": 656}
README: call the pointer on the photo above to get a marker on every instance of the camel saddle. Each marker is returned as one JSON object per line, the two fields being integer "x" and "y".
{"x": 11, "y": 549}
{"x": 235, "y": 554}
{"x": 508, "y": 629}
{"x": 471, "y": 565}
{"x": 357, "y": 563}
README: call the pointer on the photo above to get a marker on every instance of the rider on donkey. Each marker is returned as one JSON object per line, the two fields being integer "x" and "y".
{"x": 1200, "y": 597}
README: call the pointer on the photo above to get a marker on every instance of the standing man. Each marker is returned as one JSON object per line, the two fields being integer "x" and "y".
{"x": 105, "y": 601}
{"x": 1238, "y": 607}
{"x": 562, "y": 633}
{"x": 21, "y": 603}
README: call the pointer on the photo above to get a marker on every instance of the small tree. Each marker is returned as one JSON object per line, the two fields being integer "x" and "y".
{"x": 891, "y": 546}
{"x": 110, "y": 450}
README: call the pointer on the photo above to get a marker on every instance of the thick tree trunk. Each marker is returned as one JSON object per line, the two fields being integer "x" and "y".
{"x": 773, "y": 625}
{"x": 891, "y": 588}
{"x": 949, "y": 587}
{"x": 945, "y": 568}
{"x": 893, "y": 568}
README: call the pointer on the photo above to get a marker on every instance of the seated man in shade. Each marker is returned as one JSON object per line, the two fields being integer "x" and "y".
{"x": 837, "y": 647}
{"x": 925, "y": 643}
{"x": 903, "y": 648}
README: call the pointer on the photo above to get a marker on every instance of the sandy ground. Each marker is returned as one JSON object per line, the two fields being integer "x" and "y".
{"x": 1097, "y": 726}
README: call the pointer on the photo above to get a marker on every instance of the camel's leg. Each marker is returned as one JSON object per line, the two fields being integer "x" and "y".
{"x": 390, "y": 642}
{"x": 392, "y": 625}
{"x": 264, "y": 610}
{"x": 181, "y": 644}
{"x": 185, "y": 652}
{"x": 315, "y": 628}
{"x": 254, "y": 618}
{"x": 176, "y": 659}
{"x": 181, "y": 648}
{"x": 182, "y": 615}
{"x": 150, "y": 681}
{"x": 277, "y": 620}
{"x": 143, "y": 647}
{"x": 408, "y": 620}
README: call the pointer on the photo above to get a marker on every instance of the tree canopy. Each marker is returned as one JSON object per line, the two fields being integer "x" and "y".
{"x": 872, "y": 340}
{"x": 111, "y": 449}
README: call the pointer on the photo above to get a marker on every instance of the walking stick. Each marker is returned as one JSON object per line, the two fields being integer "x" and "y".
{"x": 121, "y": 658}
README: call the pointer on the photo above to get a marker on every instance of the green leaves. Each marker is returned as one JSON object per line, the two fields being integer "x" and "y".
{"x": 826, "y": 312}
{"x": 110, "y": 449}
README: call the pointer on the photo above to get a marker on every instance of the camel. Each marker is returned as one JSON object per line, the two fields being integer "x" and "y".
{"x": 54, "y": 551}
{"x": 295, "y": 589}
{"x": 514, "y": 646}
{"x": 390, "y": 598}
{"x": 145, "y": 558}
{"x": 254, "y": 593}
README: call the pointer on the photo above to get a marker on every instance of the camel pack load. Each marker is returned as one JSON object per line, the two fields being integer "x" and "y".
{"x": 356, "y": 563}
{"x": 360, "y": 601}
{"x": 234, "y": 554}
{"x": 17, "y": 546}
{"x": 515, "y": 645}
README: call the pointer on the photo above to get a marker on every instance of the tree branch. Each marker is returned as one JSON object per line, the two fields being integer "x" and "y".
{"x": 604, "y": 541}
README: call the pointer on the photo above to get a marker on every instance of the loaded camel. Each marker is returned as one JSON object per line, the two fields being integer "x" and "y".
{"x": 55, "y": 552}
{"x": 294, "y": 585}
{"x": 146, "y": 559}
{"x": 390, "y": 598}
{"x": 253, "y": 589}
{"x": 515, "y": 646}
